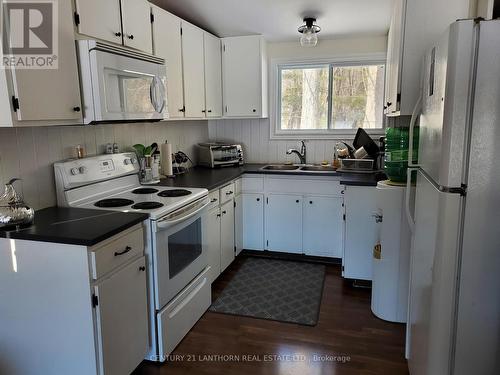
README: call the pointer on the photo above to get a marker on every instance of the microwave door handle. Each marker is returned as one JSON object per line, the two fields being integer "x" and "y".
{"x": 166, "y": 223}
{"x": 157, "y": 94}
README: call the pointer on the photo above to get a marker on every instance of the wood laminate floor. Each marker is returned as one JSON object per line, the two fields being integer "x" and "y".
{"x": 348, "y": 339}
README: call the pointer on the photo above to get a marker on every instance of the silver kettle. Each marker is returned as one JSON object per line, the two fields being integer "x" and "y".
{"x": 13, "y": 210}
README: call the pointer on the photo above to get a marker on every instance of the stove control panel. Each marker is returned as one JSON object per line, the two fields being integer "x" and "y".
{"x": 79, "y": 172}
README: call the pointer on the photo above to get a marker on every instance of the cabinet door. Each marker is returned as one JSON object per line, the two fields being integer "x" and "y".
{"x": 323, "y": 226}
{"x": 194, "y": 74}
{"x": 52, "y": 94}
{"x": 122, "y": 319}
{"x": 253, "y": 221}
{"x": 100, "y": 19}
{"x": 242, "y": 76}
{"x": 211, "y": 236}
{"x": 394, "y": 56}
{"x": 361, "y": 231}
{"x": 213, "y": 76}
{"x": 238, "y": 224}
{"x": 227, "y": 235}
{"x": 284, "y": 223}
{"x": 168, "y": 45}
{"x": 136, "y": 20}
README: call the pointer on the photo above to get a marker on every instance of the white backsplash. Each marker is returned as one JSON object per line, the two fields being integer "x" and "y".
{"x": 254, "y": 135}
{"x": 28, "y": 153}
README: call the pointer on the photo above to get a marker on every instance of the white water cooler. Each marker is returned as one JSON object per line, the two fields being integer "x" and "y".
{"x": 391, "y": 259}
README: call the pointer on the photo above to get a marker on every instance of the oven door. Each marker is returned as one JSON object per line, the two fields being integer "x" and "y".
{"x": 126, "y": 88}
{"x": 178, "y": 252}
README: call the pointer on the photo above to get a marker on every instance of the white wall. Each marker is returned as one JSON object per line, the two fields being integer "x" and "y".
{"x": 255, "y": 134}
{"x": 29, "y": 153}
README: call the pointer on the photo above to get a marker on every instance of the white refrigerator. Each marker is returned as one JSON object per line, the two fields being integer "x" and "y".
{"x": 453, "y": 324}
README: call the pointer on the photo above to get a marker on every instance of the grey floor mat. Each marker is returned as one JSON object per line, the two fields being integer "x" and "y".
{"x": 274, "y": 289}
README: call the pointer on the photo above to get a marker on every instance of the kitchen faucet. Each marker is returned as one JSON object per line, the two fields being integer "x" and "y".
{"x": 301, "y": 154}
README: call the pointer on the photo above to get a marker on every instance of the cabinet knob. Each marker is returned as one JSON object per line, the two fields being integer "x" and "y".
{"x": 297, "y": 201}
{"x": 254, "y": 110}
{"x": 229, "y": 192}
{"x": 213, "y": 200}
{"x": 310, "y": 202}
{"x": 183, "y": 109}
{"x": 224, "y": 212}
{"x": 209, "y": 111}
{"x": 118, "y": 34}
{"x": 76, "y": 109}
{"x": 218, "y": 215}
{"x": 131, "y": 36}
{"x": 258, "y": 199}
{"x": 203, "y": 111}
{"x": 342, "y": 192}
{"x": 142, "y": 268}
{"x": 389, "y": 104}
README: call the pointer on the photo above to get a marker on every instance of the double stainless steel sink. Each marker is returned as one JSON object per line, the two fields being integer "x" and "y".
{"x": 299, "y": 168}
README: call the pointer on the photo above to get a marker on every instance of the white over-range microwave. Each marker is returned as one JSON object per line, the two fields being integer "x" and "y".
{"x": 120, "y": 84}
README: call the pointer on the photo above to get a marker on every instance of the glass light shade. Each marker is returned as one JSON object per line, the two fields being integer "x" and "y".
{"x": 309, "y": 38}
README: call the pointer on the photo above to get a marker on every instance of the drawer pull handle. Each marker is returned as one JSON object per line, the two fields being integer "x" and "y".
{"x": 229, "y": 192}
{"x": 142, "y": 268}
{"x": 127, "y": 249}
{"x": 213, "y": 200}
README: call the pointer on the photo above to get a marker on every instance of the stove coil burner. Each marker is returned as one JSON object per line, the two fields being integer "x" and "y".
{"x": 174, "y": 193}
{"x": 147, "y": 205}
{"x": 114, "y": 202}
{"x": 145, "y": 191}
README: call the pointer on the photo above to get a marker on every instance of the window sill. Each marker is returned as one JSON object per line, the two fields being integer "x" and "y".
{"x": 324, "y": 135}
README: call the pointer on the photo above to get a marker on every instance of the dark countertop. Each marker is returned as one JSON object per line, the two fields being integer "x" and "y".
{"x": 75, "y": 226}
{"x": 202, "y": 177}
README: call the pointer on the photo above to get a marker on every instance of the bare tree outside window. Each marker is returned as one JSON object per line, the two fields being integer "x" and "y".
{"x": 329, "y": 97}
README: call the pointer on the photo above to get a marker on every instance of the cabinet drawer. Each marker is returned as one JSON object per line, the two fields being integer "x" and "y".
{"x": 213, "y": 198}
{"x": 116, "y": 251}
{"x": 226, "y": 193}
{"x": 237, "y": 186}
{"x": 302, "y": 186}
{"x": 252, "y": 184}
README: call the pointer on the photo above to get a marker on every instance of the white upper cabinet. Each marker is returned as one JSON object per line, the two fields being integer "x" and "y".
{"x": 100, "y": 19}
{"x": 32, "y": 97}
{"x": 136, "y": 20}
{"x": 244, "y": 76}
{"x": 213, "y": 76}
{"x": 415, "y": 25}
{"x": 168, "y": 45}
{"x": 194, "y": 72}
{"x": 124, "y": 22}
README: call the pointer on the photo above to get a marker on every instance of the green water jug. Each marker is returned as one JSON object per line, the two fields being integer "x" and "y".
{"x": 397, "y": 141}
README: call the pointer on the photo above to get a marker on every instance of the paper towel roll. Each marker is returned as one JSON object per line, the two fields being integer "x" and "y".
{"x": 166, "y": 159}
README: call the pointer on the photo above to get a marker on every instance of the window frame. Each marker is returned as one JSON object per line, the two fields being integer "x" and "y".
{"x": 277, "y": 65}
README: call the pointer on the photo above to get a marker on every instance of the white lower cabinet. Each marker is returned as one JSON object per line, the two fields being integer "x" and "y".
{"x": 211, "y": 235}
{"x": 252, "y": 221}
{"x": 360, "y": 232}
{"x": 219, "y": 230}
{"x": 284, "y": 223}
{"x": 323, "y": 226}
{"x": 226, "y": 234}
{"x": 122, "y": 319}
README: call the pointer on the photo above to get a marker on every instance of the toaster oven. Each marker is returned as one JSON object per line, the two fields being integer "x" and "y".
{"x": 215, "y": 155}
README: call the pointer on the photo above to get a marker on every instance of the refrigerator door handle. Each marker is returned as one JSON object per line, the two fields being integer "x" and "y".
{"x": 409, "y": 217}
{"x": 417, "y": 111}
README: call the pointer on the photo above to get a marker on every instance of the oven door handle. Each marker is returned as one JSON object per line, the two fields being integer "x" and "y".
{"x": 167, "y": 223}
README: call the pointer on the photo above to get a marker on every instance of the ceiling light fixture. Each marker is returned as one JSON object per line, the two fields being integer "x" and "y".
{"x": 309, "y": 32}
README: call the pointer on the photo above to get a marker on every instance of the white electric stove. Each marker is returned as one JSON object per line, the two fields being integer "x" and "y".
{"x": 179, "y": 290}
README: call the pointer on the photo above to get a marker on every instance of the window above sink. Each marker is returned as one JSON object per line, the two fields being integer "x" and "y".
{"x": 327, "y": 98}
